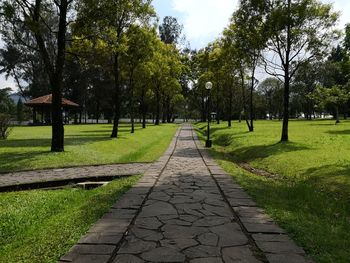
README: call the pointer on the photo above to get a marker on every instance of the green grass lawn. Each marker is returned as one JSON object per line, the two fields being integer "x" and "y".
{"x": 41, "y": 226}
{"x": 311, "y": 196}
{"x": 29, "y": 147}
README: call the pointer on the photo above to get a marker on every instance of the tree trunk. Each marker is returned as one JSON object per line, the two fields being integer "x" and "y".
{"x": 168, "y": 110}
{"x": 230, "y": 109}
{"x": 244, "y": 100}
{"x": 337, "y": 115}
{"x": 251, "y": 108}
{"x": 217, "y": 104}
{"x": 143, "y": 108}
{"x": 57, "y": 142}
{"x": 132, "y": 117}
{"x": 116, "y": 97}
{"x": 157, "y": 107}
{"x": 97, "y": 112}
{"x": 284, "y": 136}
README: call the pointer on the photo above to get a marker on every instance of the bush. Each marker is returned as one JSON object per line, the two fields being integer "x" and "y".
{"x": 5, "y": 126}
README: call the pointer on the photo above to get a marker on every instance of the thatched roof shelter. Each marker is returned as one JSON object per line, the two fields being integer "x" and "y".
{"x": 46, "y": 101}
{"x": 42, "y": 105}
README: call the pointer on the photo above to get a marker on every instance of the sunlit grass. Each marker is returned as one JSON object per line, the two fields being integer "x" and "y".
{"x": 41, "y": 226}
{"x": 29, "y": 147}
{"x": 311, "y": 195}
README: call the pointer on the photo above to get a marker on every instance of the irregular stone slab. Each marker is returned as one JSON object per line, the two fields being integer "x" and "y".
{"x": 284, "y": 247}
{"x": 208, "y": 239}
{"x": 271, "y": 237}
{"x": 177, "y": 222}
{"x": 241, "y": 202}
{"x": 127, "y": 259}
{"x": 206, "y": 260}
{"x": 92, "y": 249}
{"x": 133, "y": 245}
{"x": 230, "y": 235}
{"x": 220, "y": 211}
{"x": 211, "y": 221}
{"x": 92, "y": 259}
{"x": 160, "y": 196}
{"x": 263, "y": 228}
{"x": 182, "y": 232}
{"x": 239, "y": 255}
{"x": 202, "y": 252}
{"x": 180, "y": 243}
{"x": 157, "y": 209}
{"x": 163, "y": 254}
{"x": 146, "y": 234}
{"x": 151, "y": 223}
{"x": 101, "y": 238}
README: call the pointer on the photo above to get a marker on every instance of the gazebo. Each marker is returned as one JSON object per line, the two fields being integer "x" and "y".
{"x": 42, "y": 105}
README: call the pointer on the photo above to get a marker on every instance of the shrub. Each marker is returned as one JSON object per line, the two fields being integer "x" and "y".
{"x": 5, "y": 125}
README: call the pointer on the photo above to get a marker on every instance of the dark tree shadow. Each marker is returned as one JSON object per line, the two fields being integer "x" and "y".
{"x": 343, "y": 132}
{"x": 69, "y": 140}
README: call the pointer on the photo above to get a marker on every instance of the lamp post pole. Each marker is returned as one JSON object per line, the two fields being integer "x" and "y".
{"x": 208, "y": 87}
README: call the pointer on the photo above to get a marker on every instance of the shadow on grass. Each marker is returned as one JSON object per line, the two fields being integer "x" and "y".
{"x": 343, "y": 132}
{"x": 109, "y": 131}
{"x": 69, "y": 140}
{"x": 251, "y": 153}
{"x": 335, "y": 178}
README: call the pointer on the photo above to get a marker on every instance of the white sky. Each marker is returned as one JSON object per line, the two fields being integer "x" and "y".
{"x": 204, "y": 20}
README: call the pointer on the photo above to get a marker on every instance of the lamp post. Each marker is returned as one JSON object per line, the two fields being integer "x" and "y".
{"x": 208, "y": 87}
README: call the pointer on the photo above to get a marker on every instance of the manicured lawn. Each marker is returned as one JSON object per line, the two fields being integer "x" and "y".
{"x": 41, "y": 226}
{"x": 29, "y": 147}
{"x": 311, "y": 196}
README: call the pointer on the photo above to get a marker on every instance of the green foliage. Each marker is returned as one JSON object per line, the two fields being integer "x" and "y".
{"x": 170, "y": 30}
{"x": 334, "y": 96}
{"x": 5, "y": 126}
{"x": 6, "y": 104}
{"x": 41, "y": 226}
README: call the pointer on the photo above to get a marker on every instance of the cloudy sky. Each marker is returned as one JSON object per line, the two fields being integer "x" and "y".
{"x": 204, "y": 20}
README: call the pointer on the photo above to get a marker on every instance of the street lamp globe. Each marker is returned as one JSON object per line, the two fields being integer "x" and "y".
{"x": 208, "y": 85}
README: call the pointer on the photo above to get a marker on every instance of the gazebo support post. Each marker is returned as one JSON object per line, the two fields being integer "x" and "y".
{"x": 42, "y": 116}
{"x": 34, "y": 115}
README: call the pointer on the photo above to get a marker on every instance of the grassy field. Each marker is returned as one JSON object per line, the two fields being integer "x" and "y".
{"x": 311, "y": 195}
{"x": 41, "y": 226}
{"x": 29, "y": 147}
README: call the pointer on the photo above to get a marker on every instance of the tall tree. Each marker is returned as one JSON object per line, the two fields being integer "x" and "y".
{"x": 50, "y": 43}
{"x": 170, "y": 30}
{"x": 298, "y": 31}
{"x": 104, "y": 23}
{"x": 248, "y": 25}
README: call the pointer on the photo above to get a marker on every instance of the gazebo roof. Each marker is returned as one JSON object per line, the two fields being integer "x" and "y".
{"x": 47, "y": 101}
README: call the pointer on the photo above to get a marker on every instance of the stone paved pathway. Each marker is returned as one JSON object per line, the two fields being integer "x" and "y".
{"x": 185, "y": 209}
{"x": 15, "y": 180}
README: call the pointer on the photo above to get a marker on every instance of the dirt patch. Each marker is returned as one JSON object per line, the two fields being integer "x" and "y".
{"x": 260, "y": 172}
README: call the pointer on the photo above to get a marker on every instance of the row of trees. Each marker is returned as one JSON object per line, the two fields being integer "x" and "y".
{"x": 109, "y": 56}
{"x": 113, "y": 59}
{"x": 291, "y": 40}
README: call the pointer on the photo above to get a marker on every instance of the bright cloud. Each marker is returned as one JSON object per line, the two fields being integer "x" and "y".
{"x": 342, "y": 6}
{"x": 204, "y": 20}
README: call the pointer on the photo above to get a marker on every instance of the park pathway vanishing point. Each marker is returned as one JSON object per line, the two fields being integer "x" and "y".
{"x": 185, "y": 209}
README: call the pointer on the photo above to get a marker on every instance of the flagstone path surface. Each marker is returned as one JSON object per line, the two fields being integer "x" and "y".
{"x": 28, "y": 179}
{"x": 185, "y": 209}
